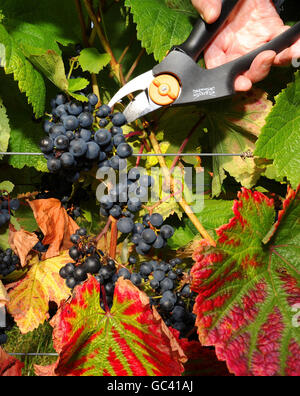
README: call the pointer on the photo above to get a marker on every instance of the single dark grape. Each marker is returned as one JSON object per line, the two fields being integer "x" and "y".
{"x": 156, "y": 220}
{"x": 103, "y": 111}
{"x": 166, "y": 284}
{"x": 85, "y": 120}
{"x": 92, "y": 265}
{"x": 67, "y": 160}
{"x": 71, "y": 282}
{"x": 166, "y": 305}
{"x": 138, "y": 228}
{"x": 134, "y": 205}
{"x": 102, "y": 137}
{"x": 125, "y": 225}
{"x": 78, "y": 147}
{"x": 54, "y": 164}
{"x": 85, "y": 134}
{"x": 116, "y": 212}
{"x": 118, "y": 139}
{"x": 125, "y": 273}
{"x": 93, "y": 99}
{"x": 71, "y": 123}
{"x": 80, "y": 274}
{"x": 61, "y": 142}
{"x": 159, "y": 243}
{"x": 119, "y": 120}
{"x": 159, "y": 275}
{"x": 124, "y": 150}
{"x": 92, "y": 151}
{"x": 105, "y": 272}
{"x": 46, "y": 145}
{"x": 166, "y": 231}
{"x": 136, "y": 279}
{"x": 74, "y": 253}
{"x": 149, "y": 236}
{"x": 74, "y": 108}
{"x": 63, "y": 273}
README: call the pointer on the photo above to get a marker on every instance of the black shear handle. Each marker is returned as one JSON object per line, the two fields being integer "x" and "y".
{"x": 203, "y": 33}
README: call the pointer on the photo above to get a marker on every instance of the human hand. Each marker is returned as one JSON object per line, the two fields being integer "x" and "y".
{"x": 252, "y": 24}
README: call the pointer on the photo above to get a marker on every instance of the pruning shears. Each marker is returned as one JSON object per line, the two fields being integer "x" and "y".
{"x": 179, "y": 80}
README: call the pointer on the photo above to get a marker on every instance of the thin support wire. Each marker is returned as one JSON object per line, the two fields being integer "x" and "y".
{"x": 246, "y": 154}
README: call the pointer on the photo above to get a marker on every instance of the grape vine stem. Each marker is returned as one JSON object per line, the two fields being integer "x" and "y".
{"x": 117, "y": 70}
{"x": 187, "y": 209}
{"x": 87, "y": 45}
{"x": 113, "y": 239}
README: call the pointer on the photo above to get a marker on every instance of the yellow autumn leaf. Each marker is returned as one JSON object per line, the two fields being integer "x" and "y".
{"x": 29, "y": 300}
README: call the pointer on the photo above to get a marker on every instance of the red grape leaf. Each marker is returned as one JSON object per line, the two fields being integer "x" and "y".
{"x": 282, "y": 213}
{"x": 22, "y": 243}
{"x": 248, "y": 291}
{"x": 55, "y": 223}
{"x": 131, "y": 340}
{"x": 9, "y": 366}
{"x": 29, "y": 299}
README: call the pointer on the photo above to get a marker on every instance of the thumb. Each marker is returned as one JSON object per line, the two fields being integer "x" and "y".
{"x": 209, "y": 10}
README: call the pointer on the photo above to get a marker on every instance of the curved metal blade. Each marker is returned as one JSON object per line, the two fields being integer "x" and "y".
{"x": 139, "y": 107}
{"x": 139, "y": 83}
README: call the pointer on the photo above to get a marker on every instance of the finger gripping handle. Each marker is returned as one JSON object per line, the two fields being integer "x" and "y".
{"x": 203, "y": 33}
{"x": 278, "y": 44}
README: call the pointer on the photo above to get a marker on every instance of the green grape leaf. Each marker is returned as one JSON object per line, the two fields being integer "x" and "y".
{"x": 29, "y": 79}
{"x": 78, "y": 97}
{"x": 212, "y": 216}
{"x": 249, "y": 290}
{"x": 50, "y": 63}
{"x": 4, "y": 129}
{"x": 130, "y": 340}
{"x": 25, "y": 133}
{"x": 77, "y": 84}
{"x": 7, "y": 186}
{"x": 26, "y": 219}
{"x": 92, "y": 61}
{"x": 35, "y": 22}
{"x": 280, "y": 137}
{"x": 161, "y": 24}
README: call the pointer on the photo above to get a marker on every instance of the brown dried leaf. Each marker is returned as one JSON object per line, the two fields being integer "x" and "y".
{"x": 22, "y": 243}
{"x": 55, "y": 223}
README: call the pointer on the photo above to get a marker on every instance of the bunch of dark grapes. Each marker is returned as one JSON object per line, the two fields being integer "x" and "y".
{"x": 6, "y": 206}
{"x": 9, "y": 262}
{"x": 76, "y": 139}
{"x": 151, "y": 234}
{"x": 169, "y": 291}
{"x": 124, "y": 201}
{"x": 89, "y": 260}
